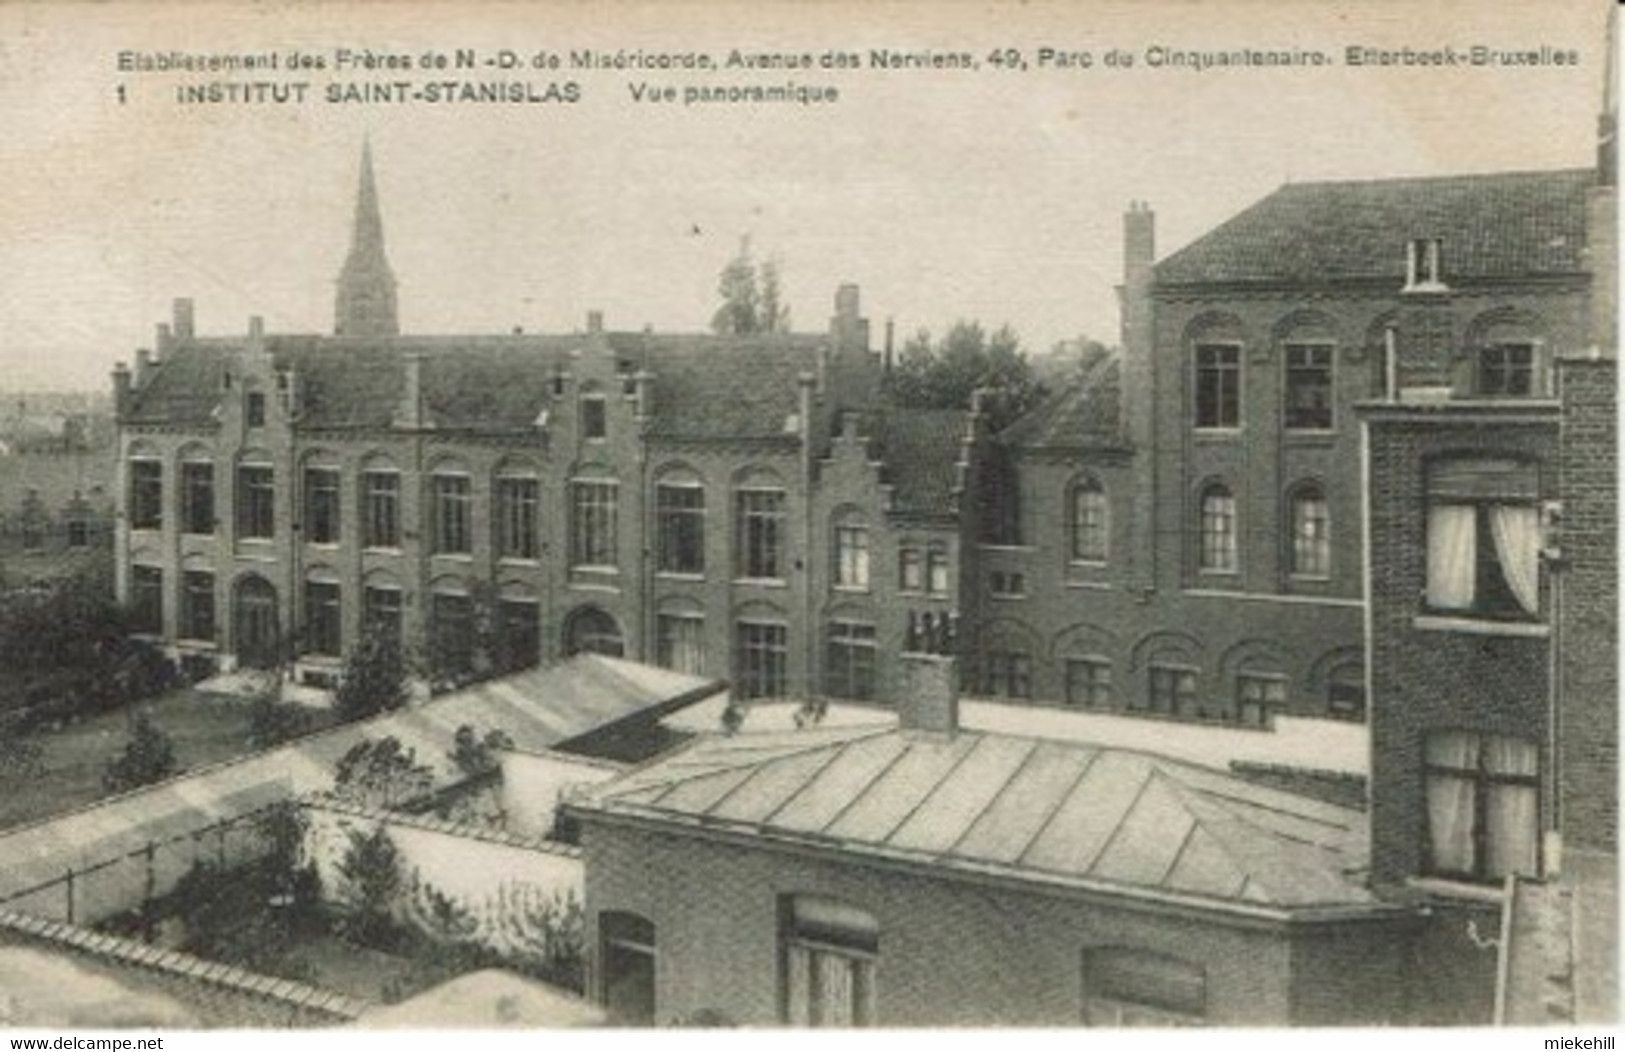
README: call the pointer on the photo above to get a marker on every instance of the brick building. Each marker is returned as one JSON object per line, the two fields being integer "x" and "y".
{"x": 727, "y": 505}
{"x": 1180, "y": 534}
{"x": 923, "y": 875}
{"x": 1492, "y": 517}
{"x": 56, "y": 513}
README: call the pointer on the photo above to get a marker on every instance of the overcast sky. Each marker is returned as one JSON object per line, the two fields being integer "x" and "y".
{"x": 992, "y": 194}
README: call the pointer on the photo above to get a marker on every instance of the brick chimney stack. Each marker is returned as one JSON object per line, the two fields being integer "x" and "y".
{"x": 929, "y": 702}
{"x": 184, "y": 319}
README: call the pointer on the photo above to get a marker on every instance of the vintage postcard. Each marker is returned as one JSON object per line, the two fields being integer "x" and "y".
{"x": 547, "y": 515}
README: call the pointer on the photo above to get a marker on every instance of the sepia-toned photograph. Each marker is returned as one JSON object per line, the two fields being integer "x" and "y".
{"x": 538, "y": 516}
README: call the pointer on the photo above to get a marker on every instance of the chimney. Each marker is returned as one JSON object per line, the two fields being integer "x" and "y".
{"x": 851, "y": 331}
{"x": 121, "y": 389}
{"x": 163, "y": 337}
{"x": 595, "y": 321}
{"x": 890, "y": 333}
{"x": 642, "y": 383}
{"x": 409, "y": 413}
{"x": 143, "y": 367}
{"x": 184, "y": 319}
{"x": 929, "y": 701}
{"x": 806, "y": 382}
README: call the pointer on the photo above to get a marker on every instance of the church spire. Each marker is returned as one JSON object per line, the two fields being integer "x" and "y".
{"x": 366, "y": 294}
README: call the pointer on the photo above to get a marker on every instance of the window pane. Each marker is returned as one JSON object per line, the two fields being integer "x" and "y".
{"x": 1308, "y": 386}
{"x": 146, "y": 495}
{"x": 517, "y": 500}
{"x": 1218, "y": 531}
{"x": 1311, "y": 535}
{"x": 593, "y": 524}
{"x": 761, "y": 533}
{"x": 1511, "y": 824}
{"x": 453, "y": 506}
{"x": 256, "y": 502}
{"x": 197, "y": 498}
{"x": 321, "y": 506}
{"x": 680, "y": 514}
{"x": 381, "y": 512}
{"x": 1218, "y": 386}
{"x": 1089, "y": 523}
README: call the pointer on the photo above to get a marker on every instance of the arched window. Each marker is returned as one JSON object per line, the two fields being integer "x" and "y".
{"x": 592, "y": 631}
{"x": 1218, "y": 530}
{"x": 1089, "y": 524}
{"x": 1311, "y": 532}
{"x": 1345, "y": 692}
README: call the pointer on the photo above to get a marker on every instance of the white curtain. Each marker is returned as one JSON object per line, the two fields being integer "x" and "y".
{"x": 1452, "y": 556}
{"x": 1516, "y": 528}
{"x": 1511, "y": 818}
{"x": 1450, "y": 821}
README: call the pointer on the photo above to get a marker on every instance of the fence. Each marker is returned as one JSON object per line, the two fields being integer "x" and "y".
{"x": 132, "y": 879}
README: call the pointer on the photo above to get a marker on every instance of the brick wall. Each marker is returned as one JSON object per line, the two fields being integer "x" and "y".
{"x": 218, "y": 995}
{"x": 952, "y": 951}
{"x": 1589, "y": 628}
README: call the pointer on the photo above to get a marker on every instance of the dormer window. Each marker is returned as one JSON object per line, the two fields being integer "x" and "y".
{"x": 1424, "y": 270}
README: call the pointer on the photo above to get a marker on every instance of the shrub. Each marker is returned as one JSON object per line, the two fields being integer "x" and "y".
{"x": 148, "y": 757}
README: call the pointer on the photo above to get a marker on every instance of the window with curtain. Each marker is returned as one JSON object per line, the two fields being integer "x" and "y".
{"x": 1311, "y": 533}
{"x": 1483, "y": 806}
{"x": 763, "y": 656}
{"x": 1218, "y": 530}
{"x": 1484, "y": 539}
{"x": 594, "y": 523}
{"x": 830, "y": 952}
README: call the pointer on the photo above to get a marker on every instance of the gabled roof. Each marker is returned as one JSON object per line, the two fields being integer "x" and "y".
{"x": 1505, "y": 225}
{"x": 1085, "y": 415}
{"x": 1045, "y": 811}
{"x": 718, "y": 387}
{"x": 920, "y": 450}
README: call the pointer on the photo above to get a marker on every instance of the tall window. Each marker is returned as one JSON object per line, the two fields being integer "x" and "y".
{"x": 322, "y": 505}
{"x": 322, "y": 622}
{"x": 517, "y": 503}
{"x": 1173, "y": 689}
{"x": 381, "y": 612}
{"x": 829, "y": 963}
{"x": 594, "y": 418}
{"x": 1506, "y": 370}
{"x": 519, "y": 634}
{"x": 763, "y": 655}
{"x": 761, "y": 533}
{"x": 1311, "y": 533}
{"x": 680, "y": 643}
{"x": 1484, "y": 539}
{"x": 146, "y": 495}
{"x": 147, "y": 600}
{"x": 453, "y": 515}
{"x": 1007, "y": 674}
{"x": 1089, "y": 683}
{"x": 936, "y": 570}
{"x": 451, "y": 634}
{"x": 849, "y": 660}
{"x": 197, "y": 497}
{"x": 1088, "y": 522}
{"x": 381, "y": 509}
{"x": 1218, "y": 385}
{"x": 680, "y": 527}
{"x": 852, "y": 557}
{"x": 593, "y": 523}
{"x": 1124, "y": 988}
{"x": 1258, "y": 696}
{"x": 78, "y": 529}
{"x": 1218, "y": 553}
{"x": 256, "y": 502}
{"x": 254, "y": 409}
{"x": 1483, "y": 805}
{"x": 197, "y": 605}
{"x": 1308, "y": 386}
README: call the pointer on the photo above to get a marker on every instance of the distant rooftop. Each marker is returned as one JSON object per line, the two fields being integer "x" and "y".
{"x": 1502, "y": 225}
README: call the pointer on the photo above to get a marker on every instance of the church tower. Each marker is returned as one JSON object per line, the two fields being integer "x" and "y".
{"x": 365, "y": 305}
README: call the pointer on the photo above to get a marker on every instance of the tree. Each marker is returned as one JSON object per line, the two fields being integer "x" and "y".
{"x": 473, "y": 754}
{"x": 272, "y": 721}
{"x": 944, "y": 374}
{"x": 148, "y": 757}
{"x": 374, "y": 677}
{"x": 372, "y": 873}
{"x": 752, "y": 297}
{"x": 378, "y": 772}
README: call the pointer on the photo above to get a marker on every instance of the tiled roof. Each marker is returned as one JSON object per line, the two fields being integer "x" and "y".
{"x": 705, "y": 386}
{"x": 920, "y": 450}
{"x": 1087, "y": 414}
{"x": 1504, "y": 225}
{"x": 712, "y": 387}
{"x": 1046, "y": 811}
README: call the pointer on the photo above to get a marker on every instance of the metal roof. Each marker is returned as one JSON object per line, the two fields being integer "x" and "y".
{"x": 1067, "y": 811}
